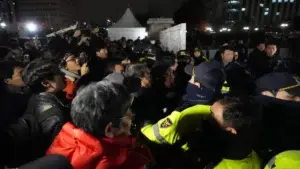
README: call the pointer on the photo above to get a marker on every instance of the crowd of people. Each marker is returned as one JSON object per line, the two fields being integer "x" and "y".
{"x": 82, "y": 101}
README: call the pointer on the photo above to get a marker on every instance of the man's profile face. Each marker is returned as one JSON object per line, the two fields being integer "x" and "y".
{"x": 16, "y": 79}
{"x": 271, "y": 50}
{"x": 123, "y": 129}
{"x": 56, "y": 85}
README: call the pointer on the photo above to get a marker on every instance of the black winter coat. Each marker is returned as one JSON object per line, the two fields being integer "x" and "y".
{"x": 32, "y": 134}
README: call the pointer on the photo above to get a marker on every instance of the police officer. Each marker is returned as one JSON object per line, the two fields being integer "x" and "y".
{"x": 199, "y": 56}
{"x": 221, "y": 135}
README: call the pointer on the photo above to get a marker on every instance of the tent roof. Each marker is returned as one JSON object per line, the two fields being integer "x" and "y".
{"x": 127, "y": 21}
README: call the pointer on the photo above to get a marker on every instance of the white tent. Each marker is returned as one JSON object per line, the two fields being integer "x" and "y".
{"x": 127, "y": 27}
{"x": 127, "y": 21}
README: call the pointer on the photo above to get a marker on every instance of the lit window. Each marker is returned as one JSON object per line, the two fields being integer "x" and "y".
{"x": 267, "y": 9}
{"x": 266, "y": 13}
{"x": 261, "y": 5}
{"x": 274, "y": 1}
{"x": 233, "y": 10}
{"x": 279, "y": 1}
{"x": 292, "y": 1}
{"x": 277, "y": 13}
{"x": 286, "y": 0}
{"x": 233, "y": 2}
{"x": 243, "y": 9}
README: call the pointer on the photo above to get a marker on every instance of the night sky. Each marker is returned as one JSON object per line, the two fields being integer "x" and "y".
{"x": 99, "y": 10}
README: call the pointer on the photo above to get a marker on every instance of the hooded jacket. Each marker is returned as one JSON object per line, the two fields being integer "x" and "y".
{"x": 87, "y": 152}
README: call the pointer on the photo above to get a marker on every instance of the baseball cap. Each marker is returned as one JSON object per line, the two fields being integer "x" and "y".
{"x": 197, "y": 49}
{"x": 208, "y": 74}
{"x": 279, "y": 81}
{"x": 182, "y": 53}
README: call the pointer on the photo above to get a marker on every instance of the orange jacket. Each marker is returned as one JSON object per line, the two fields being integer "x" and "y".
{"x": 87, "y": 152}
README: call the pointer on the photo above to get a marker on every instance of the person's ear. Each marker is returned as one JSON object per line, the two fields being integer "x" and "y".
{"x": 231, "y": 130}
{"x": 46, "y": 84}
{"x": 108, "y": 131}
{"x": 267, "y": 93}
{"x": 7, "y": 81}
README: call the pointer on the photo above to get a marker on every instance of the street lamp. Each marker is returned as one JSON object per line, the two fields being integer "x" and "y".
{"x": 32, "y": 27}
{"x": 209, "y": 29}
{"x": 284, "y": 25}
{"x": 108, "y": 20}
{"x": 246, "y": 28}
{"x": 3, "y": 24}
{"x": 256, "y": 29}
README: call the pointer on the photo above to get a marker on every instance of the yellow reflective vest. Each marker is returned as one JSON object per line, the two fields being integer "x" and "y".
{"x": 251, "y": 162}
{"x": 168, "y": 130}
{"x": 225, "y": 89}
{"x": 285, "y": 160}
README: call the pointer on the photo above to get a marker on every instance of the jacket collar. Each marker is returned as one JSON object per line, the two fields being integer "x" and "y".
{"x": 70, "y": 75}
{"x": 91, "y": 141}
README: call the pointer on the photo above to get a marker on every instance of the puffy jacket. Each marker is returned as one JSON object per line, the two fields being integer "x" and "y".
{"x": 36, "y": 129}
{"x": 87, "y": 152}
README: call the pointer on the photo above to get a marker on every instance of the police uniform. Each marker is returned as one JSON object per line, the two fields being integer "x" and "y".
{"x": 285, "y": 160}
{"x": 172, "y": 128}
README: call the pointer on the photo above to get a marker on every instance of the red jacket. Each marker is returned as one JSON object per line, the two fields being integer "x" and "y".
{"x": 87, "y": 152}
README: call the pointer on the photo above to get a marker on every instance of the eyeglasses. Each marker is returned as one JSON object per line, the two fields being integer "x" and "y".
{"x": 70, "y": 60}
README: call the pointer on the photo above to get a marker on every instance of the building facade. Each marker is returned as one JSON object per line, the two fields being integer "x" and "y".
{"x": 49, "y": 13}
{"x": 261, "y": 12}
{"x": 7, "y": 12}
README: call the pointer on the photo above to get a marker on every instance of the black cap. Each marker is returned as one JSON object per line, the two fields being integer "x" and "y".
{"x": 279, "y": 81}
{"x": 208, "y": 74}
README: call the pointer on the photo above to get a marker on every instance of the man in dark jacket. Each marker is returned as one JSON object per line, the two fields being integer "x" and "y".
{"x": 97, "y": 67}
{"x": 46, "y": 112}
{"x": 279, "y": 94}
{"x": 261, "y": 64}
{"x": 12, "y": 91}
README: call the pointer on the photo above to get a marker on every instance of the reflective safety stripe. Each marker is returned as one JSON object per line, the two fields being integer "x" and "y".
{"x": 157, "y": 135}
{"x": 271, "y": 163}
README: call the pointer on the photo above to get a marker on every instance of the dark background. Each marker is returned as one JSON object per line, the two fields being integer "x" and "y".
{"x": 99, "y": 10}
